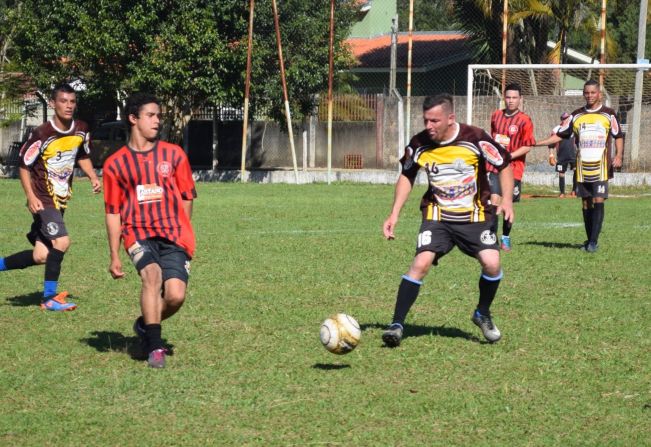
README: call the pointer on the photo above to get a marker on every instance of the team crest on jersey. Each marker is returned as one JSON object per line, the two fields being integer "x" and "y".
{"x": 513, "y": 129}
{"x": 32, "y": 152}
{"x": 487, "y": 237}
{"x": 491, "y": 154}
{"x": 52, "y": 228}
{"x": 164, "y": 168}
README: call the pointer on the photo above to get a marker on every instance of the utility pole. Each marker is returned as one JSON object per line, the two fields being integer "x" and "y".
{"x": 639, "y": 78}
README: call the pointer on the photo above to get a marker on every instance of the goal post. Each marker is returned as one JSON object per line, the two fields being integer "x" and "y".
{"x": 550, "y": 89}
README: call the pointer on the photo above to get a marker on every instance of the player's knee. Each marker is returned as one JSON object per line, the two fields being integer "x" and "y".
{"x": 39, "y": 257}
{"x": 175, "y": 298}
{"x": 62, "y": 243}
{"x": 151, "y": 276}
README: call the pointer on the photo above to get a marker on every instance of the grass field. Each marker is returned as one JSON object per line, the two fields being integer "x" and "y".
{"x": 573, "y": 368}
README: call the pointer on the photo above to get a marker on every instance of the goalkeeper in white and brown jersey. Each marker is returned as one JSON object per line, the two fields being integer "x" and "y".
{"x": 47, "y": 161}
{"x": 594, "y": 127}
{"x": 456, "y": 208}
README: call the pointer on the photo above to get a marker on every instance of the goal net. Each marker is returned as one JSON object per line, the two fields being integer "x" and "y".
{"x": 551, "y": 89}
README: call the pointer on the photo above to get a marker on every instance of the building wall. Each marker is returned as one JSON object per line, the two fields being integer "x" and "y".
{"x": 377, "y": 20}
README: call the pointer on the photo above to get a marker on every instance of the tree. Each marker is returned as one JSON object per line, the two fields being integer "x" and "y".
{"x": 190, "y": 53}
{"x": 429, "y": 15}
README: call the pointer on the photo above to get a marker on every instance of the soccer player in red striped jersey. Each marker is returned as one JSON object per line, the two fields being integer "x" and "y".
{"x": 148, "y": 194}
{"x": 513, "y": 129}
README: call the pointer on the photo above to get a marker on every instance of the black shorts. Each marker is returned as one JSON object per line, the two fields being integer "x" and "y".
{"x": 494, "y": 184}
{"x": 441, "y": 237}
{"x": 47, "y": 225}
{"x": 592, "y": 189}
{"x": 564, "y": 166}
{"x": 172, "y": 259}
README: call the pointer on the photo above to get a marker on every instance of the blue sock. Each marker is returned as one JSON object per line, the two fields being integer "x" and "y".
{"x": 50, "y": 288}
{"x": 3, "y": 267}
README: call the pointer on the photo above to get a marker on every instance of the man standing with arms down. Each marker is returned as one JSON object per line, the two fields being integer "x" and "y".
{"x": 148, "y": 193}
{"x": 594, "y": 126}
{"x": 513, "y": 129}
{"x": 47, "y": 161}
{"x": 455, "y": 208}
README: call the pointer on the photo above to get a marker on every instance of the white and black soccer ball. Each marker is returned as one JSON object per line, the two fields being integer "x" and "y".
{"x": 340, "y": 333}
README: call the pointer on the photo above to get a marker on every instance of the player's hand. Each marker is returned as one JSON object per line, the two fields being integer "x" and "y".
{"x": 506, "y": 208}
{"x": 389, "y": 226}
{"x": 617, "y": 162}
{"x": 96, "y": 184}
{"x": 115, "y": 269}
{"x": 34, "y": 204}
{"x": 552, "y": 160}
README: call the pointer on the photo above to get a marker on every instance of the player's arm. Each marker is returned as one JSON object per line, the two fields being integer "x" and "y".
{"x": 87, "y": 167}
{"x": 519, "y": 152}
{"x": 113, "y": 230}
{"x": 33, "y": 203}
{"x": 404, "y": 186}
{"x": 619, "y": 153}
{"x": 506, "y": 184}
{"x": 549, "y": 141}
{"x": 187, "y": 207}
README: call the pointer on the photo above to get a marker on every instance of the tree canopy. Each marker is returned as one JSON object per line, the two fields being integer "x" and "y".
{"x": 190, "y": 53}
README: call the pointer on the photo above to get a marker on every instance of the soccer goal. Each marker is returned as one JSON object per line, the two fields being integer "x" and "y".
{"x": 550, "y": 89}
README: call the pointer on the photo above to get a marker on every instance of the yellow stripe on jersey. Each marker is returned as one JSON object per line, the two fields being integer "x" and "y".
{"x": 448, "y": 154}
{"x": 62, "y": 144}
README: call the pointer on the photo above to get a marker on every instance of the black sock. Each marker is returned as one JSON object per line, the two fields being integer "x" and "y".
{"x": 153, "y": 337}
{"x": 587, "y": 222}
{"x": 53, "y": 264}
{"x": 598, "y": 213}
{"x": 496, "y": 223}
{"x": 506, "y": 230}
{"x": 487, "y": 289}
{"x": 407, "y": 294}
{"x": 561, "y": 184}
{"x": 20, "y": 260}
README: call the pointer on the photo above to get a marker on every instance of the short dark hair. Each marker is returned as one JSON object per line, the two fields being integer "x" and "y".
{"x": 590, "y": 82}
{"x": 515, "y": 87}
{"x": 438, "y": 100}
{"x": 135, "y": 102}
{"x": 62, "y": 87}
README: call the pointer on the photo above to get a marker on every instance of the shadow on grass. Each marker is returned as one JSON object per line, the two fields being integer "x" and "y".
{"x": 554, "y": 244}
{"x": 29, "y": 299}
{"x": 412, "y": 330}
{"x": 111, "y": 341}
{"x": 329, "y": 366}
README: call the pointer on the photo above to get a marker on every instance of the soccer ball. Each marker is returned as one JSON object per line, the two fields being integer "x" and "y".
{"x": 340, "y": 333}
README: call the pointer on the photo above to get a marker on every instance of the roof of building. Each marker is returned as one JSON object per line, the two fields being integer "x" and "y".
{"x": 430, "y": 50}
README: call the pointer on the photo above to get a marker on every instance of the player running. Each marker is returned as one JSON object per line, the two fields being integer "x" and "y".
{"x": 47, "y": 161}
{"x": 513, "y": 129}
{"x": 455, "y": 208}
{"x": 594, "y": 126}
{"x": 148, "y": 194}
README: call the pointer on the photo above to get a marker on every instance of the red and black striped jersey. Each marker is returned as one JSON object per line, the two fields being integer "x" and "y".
{"x": 50, "y": 155}
{"x": 593, "y": 131}
{"x": 512, "y": 131}
{"x": 456, "y": 171}
{"x": 147, "y": 190}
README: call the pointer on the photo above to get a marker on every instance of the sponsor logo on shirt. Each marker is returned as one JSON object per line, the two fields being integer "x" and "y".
{"x": 32, "y": 152}
{"x": 504, "y": 140}
{"x": 491, "y": 153}
{"x": 149, "y": 193}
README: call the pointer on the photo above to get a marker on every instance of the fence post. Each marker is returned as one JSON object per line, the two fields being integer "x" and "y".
{"x": 379, "y": 131}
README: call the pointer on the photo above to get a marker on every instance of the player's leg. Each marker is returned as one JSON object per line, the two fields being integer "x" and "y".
{"x": 53, "y": 234}
{"x": 433, "y": 242}
{"x": 27, "y": 258}
{"x": 175, "y": 264}
{"x": 496, "y": 196}
{"x": 584, "y": 191}
{"x": 478, "y": 240}
{"x": 489, "y": 282}
{"x": 506, "y": 225}
{"x": 561, "y": 168}
{"x": 151, "y": 306}
{"x": 598, "y": 213}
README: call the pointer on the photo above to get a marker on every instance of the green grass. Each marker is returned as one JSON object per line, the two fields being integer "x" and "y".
{"x": 272, "y": 262}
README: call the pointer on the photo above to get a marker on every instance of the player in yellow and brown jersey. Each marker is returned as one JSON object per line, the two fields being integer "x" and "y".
{"x": 456, "y": 208}
{"x": 594, "y": 126}
{"x": 47, "y": 161}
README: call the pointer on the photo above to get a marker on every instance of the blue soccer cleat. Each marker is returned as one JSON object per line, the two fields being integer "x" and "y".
{"x": 58, "y": 303}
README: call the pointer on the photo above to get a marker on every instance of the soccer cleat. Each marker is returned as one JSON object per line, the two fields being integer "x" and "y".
{"x": 138, "y": 329}
{"x": 58, "y": 303}
{"x": 393, "y": 335}
{"x": 591, "y": 247}
{"x": 485, "y": 323}
{"x": 561, "y": 196}
{"x": 506, "y": 243}
{"x": 157, "y": 358}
